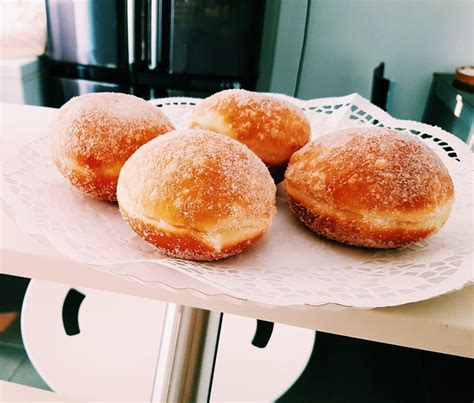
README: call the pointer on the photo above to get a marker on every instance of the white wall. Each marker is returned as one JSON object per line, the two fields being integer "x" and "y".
{"x": 347, "y": 39}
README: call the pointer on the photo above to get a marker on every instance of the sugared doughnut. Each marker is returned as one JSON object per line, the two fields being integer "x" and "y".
{"x": 370, "y": 187}
{"x": 271, "y": 127}
{"x": 94, "y": 134}
{"x": 196, "y": 195}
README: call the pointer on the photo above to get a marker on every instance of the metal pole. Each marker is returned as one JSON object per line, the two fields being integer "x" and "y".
{"x": 187, "y": 355}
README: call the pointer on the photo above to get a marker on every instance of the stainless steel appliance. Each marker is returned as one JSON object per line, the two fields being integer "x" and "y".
{"x": 151, "y": 48}
{"x": 450, "y": 107}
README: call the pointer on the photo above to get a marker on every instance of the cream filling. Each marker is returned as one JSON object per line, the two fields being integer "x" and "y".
{"x": 214, "y": 122}
{"x": 416, "y": 220}
{"x": 217, "y": 238}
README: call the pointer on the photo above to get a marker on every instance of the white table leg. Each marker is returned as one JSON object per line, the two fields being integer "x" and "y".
{"x": 187, "y": 355}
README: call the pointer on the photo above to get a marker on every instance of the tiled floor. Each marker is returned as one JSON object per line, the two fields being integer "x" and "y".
{"x": 14, "y": 363}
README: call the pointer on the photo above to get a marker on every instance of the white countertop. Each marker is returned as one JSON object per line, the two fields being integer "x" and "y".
{"x": 444, "y": 324}
{"x": 19, "y": 67}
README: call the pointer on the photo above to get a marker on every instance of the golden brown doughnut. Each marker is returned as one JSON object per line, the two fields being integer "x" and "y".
{"x": 271, "y": 127}
{"x": 370, "y": 187}
{"x": 93, "y": 135}
{"x": 196, "y": 195}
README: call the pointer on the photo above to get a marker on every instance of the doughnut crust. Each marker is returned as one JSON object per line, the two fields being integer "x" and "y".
{"x": 370, "y": 187}
{"x": 196, "y": 195}
{"x": 94, "y": 134}
{"x": 271, "y": 127}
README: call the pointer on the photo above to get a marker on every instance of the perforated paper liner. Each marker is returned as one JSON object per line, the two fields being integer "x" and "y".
{"x": 290, "y": 265}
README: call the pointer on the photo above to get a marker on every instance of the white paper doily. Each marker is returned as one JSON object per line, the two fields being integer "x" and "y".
{"x": 290, "y": 265}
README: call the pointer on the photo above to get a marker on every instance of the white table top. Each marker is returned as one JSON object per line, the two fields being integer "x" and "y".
{"x": 12, "y": 392}
{"x": 444, "y": 324}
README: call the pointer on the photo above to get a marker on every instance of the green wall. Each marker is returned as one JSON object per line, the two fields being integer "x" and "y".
{"x": 348, "y": 38}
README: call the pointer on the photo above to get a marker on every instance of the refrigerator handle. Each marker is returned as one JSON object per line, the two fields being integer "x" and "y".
{"x": 156, "y": 29}
{"x": 131, "y": 31}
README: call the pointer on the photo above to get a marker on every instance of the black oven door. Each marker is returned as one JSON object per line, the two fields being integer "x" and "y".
{"x": 214, "y": 37}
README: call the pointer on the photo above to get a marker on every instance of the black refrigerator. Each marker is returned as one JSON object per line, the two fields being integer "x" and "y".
{"x": 151, "y": 48}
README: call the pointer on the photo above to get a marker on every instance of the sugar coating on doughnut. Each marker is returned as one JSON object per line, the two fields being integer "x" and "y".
{"x": 370, "y": 187}
{"x": 94, "y": 134}
{"x": 271, "y": 127}
{"x": 196, "y": 195}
